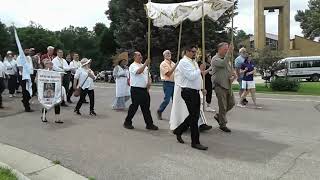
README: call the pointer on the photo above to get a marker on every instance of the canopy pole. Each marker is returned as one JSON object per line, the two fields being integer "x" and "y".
{"x": 203, "y": 62}
{"x": 179, "y": 42}
{"x": 149, "y": 37}
{"x": 232, "y": 35}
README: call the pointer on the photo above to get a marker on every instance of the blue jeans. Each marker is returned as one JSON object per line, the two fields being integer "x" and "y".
{"x": 168, "y": 89}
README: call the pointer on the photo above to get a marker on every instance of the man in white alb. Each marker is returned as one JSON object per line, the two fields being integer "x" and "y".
{"x": 191, "y": 83}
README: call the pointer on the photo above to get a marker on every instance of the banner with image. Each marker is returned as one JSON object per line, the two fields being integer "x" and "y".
{"x": 49, "y": 88}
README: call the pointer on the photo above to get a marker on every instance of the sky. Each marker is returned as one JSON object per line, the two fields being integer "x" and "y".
{"x": 57, "y": 14}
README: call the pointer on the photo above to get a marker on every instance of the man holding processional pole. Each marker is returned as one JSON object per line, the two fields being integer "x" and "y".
{"x": 174, "y": 14}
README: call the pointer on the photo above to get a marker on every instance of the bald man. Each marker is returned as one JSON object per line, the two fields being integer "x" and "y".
{"x": 140, "y": 83}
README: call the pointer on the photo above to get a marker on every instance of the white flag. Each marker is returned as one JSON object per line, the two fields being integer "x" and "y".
{"x": 25, "y": 65}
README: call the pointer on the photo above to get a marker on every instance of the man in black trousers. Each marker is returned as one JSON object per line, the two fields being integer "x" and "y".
{"x": 191, "y": 84}
{"x": 140, "y": 83}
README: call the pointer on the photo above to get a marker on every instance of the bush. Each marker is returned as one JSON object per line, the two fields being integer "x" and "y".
{"x": 285, "y": 84}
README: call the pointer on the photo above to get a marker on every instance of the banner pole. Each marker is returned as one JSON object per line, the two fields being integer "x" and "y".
{"x": 179, "y": 43}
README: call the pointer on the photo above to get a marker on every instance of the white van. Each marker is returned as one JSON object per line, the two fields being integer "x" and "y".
{"x": 300, "y": 67}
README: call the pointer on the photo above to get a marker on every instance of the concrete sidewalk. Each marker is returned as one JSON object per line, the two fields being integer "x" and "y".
{"x": 31, "y": 166}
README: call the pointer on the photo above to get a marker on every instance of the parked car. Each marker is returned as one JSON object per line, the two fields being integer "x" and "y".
{"x": 300, "y": 67}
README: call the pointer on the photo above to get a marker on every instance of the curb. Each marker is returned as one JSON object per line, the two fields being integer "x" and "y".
{"x": 18, "y": 174}
{"x": 29, "y": 166}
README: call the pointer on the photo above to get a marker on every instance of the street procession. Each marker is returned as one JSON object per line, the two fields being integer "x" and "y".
{"x": 172, "y": 83}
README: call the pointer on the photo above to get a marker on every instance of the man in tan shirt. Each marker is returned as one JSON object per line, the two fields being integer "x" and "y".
{"x": 167, "y": 68}
{"x": 222, "y": 77}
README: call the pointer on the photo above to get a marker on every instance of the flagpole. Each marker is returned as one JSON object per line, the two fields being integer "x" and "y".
{"x": 179, "y": 42}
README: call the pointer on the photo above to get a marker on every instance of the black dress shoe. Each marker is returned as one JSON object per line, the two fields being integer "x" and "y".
{"x": 64, "y": 104}
{"x": 77, "y": 112}
{"x": 128, "y": 126}
{"x": 1, "y": 107}
{"x": 152, "y": 127}
{"x": 179, "y": 139}
{"x": 159, "y": 115}
{"x": 85, "y": 102}
{"x": 199, "y": 146}
{"x": 92, "y": 113}
{"x": 225, "y": 129}
{"x": 29, "y": 110}
{"x": 204, "y": 127}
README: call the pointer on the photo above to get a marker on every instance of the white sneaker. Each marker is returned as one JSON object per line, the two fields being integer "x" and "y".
{"x": 10, "y": 96}
{"x": 258, "y": 107}
{"x": 241, "y": 105}
{"x": 14, "y": 95}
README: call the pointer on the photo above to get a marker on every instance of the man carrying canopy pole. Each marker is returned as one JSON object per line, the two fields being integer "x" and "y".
{"x": 175, "y": 13}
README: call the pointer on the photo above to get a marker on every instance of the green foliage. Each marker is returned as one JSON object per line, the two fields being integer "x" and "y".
{"x": 285, "y": 84}
{"x": 265, "y": 59}
{"x": 310, "y": 19}
{"x": 97, "y": 45}
{"x": 56, "y": 162}
{"x": 6, "y": 174}
{"x": 4, "y": 39}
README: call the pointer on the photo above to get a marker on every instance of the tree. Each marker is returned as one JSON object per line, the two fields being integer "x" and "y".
{"x": 37, "y": 37}
{"x": 240, "y": 37}
{"x": 129, "y": 24}
{"x": 266, "y": 60}
{"x": 310, "y": 20}
{"x": 4, "y": 39}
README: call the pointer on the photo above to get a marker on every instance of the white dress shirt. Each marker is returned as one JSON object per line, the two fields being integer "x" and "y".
{"x": 82, "y": 75}
{"x": 74, "y": 65}
{"x": 138, "y": 80}
{"x": 29, "y": 61}
{"x": 11, "y": 66}
{"x": 60, "y": 64}
{"x": 190, "y": 74}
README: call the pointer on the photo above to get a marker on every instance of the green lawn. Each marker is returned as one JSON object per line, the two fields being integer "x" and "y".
{"x": 307, "y": 88}
{"x": 6, "y": 174}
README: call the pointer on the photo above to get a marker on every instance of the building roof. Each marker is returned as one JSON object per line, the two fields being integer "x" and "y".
{"x": 268, "y": 35}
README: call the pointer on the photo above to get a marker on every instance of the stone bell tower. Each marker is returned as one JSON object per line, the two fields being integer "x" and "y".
{"x": 283, "y": 22}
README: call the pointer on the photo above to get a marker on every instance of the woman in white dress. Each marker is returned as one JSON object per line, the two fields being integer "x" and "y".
{"x": 121, "y": 75}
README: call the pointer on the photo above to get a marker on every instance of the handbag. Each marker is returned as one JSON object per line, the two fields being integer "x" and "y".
{"x": 77, "y": 91}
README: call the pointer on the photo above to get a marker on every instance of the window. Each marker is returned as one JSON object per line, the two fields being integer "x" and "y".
{"x": 306, "y": 64}
{"x": 316, "y": 63}
{"x": 295, "y": 64}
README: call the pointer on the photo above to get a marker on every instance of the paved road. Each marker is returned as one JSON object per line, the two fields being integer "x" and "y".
{"x": 282, "y": 141}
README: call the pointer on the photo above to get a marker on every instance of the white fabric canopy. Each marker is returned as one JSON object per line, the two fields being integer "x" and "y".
{"x": 173, "y": 14}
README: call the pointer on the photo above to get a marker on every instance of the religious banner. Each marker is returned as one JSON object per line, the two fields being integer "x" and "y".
{"x": 49, "y": 88}
{"x": 174, "y": 13}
